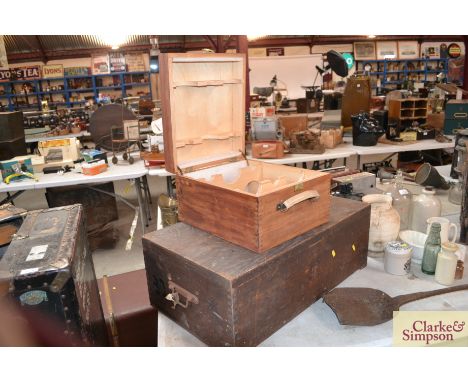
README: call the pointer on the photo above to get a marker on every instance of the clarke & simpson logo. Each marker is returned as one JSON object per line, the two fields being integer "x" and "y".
{"x": 430, "y": 328}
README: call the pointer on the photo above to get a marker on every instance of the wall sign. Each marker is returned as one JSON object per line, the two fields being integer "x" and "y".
{"x": 23, "y": 73}
{"x": 275, "y": 51}
{"x": 454, "y": 50}
{"x": 135, "y": 62}
{"x": 364, "y": 50}
{"x": 117, "y": 62}
{"x": 408, "y": 50}
{"x": 432, "y": 51}
{"x": 52, "y": 71}
{"x": 100, "y": 64}
{"x": 387, "y": 50}
{"x": 76, "y": 71}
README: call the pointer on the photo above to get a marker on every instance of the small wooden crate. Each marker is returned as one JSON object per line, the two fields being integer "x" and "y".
{"x": 250, "y": 203}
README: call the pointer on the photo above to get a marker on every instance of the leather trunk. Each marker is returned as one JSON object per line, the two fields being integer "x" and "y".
{"x": 48, "y": 269}
{"x": 227, "y": 295}
{"x": 100, "y": 210}
{"x": 130, "y": 318}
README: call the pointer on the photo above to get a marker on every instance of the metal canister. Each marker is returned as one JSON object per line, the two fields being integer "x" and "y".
{"x": 397, "y": 259}
{"x": 169, "y": 209}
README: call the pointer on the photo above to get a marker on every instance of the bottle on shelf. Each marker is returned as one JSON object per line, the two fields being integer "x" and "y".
{"x": 424, "y": 206}
{"x": 432, "y": 248}
{"x": 460, "y": 266}
{"x": 446, "y": 264}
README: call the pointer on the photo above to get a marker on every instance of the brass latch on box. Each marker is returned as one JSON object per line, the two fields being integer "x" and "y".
{"x": 176, "y": 292}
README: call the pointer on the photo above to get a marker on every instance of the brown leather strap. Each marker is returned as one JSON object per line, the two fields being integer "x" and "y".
{"x": 112, "y": 323}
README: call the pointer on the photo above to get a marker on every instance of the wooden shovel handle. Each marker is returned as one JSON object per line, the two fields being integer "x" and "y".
{"x": 406, "y": 298}
{"x": 293, "y": 200}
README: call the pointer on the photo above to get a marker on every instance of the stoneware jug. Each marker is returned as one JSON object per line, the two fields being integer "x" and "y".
{"x": 384, "y": 223}
{"x": 445, "y": 227}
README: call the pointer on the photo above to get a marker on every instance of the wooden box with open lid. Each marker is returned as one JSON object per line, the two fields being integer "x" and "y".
{"x": 250, "y": 203}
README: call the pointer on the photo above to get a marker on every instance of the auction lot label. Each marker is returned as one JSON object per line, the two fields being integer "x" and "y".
{"x": 430, "y": 328}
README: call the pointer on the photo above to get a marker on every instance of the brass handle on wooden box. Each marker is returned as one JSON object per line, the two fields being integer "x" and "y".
{"x": 293, "y": 200}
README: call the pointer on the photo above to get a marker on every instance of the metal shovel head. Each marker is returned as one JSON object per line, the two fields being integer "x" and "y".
{"x": 360, "y": 306}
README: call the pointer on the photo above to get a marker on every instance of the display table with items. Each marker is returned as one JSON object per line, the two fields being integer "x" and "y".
{"x": 383, "y": 148}
{"x": 136, "y": 172}
{"x": 317, "y": 325}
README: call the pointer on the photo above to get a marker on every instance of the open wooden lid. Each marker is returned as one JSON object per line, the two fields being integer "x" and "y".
{"x": 203, "y": 105}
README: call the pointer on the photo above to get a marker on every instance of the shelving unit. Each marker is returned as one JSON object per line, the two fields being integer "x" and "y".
{"x": 68, "y": 88}
{"x": 408, "y": 110}
{"x": 395, "y": 72}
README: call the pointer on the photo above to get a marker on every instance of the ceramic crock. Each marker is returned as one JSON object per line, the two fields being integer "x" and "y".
{"x": 384, "y": 223}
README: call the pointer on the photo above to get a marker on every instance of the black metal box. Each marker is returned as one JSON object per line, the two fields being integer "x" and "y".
{"x": 48, "y": 268}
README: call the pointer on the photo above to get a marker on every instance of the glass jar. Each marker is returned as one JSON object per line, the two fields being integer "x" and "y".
{"x": 424, "y": 206}
{"x": 401, "y": 200}
{"x": 455, "y": 193}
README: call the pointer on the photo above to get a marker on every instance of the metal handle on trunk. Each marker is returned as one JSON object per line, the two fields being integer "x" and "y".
{"x": 176, "y": 292}
{"x": 460, "y": 115}
{"x": 293, "y": 200}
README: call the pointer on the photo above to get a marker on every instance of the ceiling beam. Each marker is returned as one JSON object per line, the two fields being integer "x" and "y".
{"x": 211, "y": 42}
{"x": 41, "y": 49}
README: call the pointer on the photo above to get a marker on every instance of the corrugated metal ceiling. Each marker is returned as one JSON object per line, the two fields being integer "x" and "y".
{"x": 28, "y": 43}
{"x": 45, "y": 47}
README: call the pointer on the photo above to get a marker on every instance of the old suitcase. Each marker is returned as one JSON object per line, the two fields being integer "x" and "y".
{"x": 48, "y": 268}
{"x": 100, "y": 209}
{"x": 130, "y": 318}
{"x": 229, "y": 296}
{"x": 253, "y": 204}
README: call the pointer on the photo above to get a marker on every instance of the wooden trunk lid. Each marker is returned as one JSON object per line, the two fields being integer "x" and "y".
{"x": 203, "y": 101}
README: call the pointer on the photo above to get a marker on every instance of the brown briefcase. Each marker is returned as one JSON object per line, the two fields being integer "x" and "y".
{"x": 130, "y": 318}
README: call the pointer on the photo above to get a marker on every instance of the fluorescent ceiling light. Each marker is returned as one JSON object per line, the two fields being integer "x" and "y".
{"x": 254, "y": 37}
{"x": 114, "y": 40}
